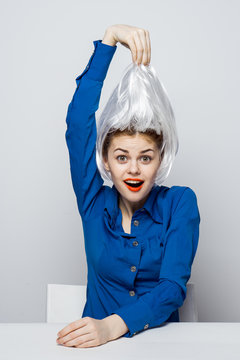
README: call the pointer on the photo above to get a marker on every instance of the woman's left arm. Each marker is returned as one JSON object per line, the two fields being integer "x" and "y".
{"x": 181, "y": 241}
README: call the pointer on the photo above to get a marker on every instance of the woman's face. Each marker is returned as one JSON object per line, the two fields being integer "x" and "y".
{"x": 134, "y": 157}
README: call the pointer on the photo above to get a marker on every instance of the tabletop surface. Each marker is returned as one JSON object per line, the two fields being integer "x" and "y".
{"x": 170, "y": 341}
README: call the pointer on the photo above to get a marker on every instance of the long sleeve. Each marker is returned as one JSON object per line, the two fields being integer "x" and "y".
{"x": 81, "y": 133}
{"x": 181, "y": 241}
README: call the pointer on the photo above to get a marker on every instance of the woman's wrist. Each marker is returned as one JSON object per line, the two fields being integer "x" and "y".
{"x": 116, "y": 326}
{"x": 108, "y": 38}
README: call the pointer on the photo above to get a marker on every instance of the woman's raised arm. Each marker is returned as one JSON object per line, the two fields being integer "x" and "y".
{"x": 81, "y": 131}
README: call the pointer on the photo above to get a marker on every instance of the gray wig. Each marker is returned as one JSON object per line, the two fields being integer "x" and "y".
{"x": 140, "y": 103}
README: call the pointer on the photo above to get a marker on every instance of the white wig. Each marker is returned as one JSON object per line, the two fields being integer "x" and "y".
{"x": 140, "y": 103}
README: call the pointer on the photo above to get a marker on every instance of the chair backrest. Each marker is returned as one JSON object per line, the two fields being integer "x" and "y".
{"x": 65, "y": 303}
{"x": 188, "y": 311}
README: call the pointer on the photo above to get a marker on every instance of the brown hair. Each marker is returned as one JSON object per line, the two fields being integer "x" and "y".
{"x": 158, "y": 139}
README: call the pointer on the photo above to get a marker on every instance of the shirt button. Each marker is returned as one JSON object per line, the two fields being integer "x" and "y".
{"x": 136, "y": 222}
{"x": 132, "y": 293}
{"x": 133, "y": 268}
{"x": 135, "y": 333}
{"x": 135, "y": 243}
{"x": 146, "y": 326}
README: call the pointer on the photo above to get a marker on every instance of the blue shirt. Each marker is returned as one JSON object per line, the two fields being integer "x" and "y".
{"x": 140, "y": 276}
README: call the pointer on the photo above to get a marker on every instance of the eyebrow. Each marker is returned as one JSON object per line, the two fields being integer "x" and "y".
{"x": 141, "y": 152}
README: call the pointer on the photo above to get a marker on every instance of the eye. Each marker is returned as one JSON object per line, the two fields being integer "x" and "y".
{"x": 147, "y": 157}
{"x": 121, "y": 156}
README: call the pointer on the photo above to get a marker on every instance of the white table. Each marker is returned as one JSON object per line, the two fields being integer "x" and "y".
{"x": 215, "y": 341}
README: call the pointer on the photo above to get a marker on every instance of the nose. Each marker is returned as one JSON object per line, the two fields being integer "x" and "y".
{"x": 133, "y": 167}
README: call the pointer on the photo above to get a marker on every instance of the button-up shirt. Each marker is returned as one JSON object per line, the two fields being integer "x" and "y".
{"x": 140, "y": 276}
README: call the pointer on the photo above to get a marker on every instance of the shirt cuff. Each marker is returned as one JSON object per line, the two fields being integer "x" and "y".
{"x": 99, "y": 62}
{"x": 137, "y": 316}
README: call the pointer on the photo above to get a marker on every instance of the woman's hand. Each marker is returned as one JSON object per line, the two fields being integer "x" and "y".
{"x": 135, "y": 39}
{"x": 85, "y": 332}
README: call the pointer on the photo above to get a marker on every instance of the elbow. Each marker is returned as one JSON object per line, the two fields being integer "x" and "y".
{"x": 178, "y": 292}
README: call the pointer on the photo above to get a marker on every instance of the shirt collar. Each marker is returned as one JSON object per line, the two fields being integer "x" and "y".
{"x": 111, "y": 204}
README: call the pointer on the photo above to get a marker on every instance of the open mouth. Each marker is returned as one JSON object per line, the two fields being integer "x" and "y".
{"x": 134, "y": 184}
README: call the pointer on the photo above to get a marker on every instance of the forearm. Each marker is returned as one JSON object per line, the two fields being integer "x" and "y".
{"x": 116, "y": 326}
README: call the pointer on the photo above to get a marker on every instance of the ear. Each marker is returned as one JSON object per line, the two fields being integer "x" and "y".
{"x": 161, "y": 154}
{"x": 105, "y": 163}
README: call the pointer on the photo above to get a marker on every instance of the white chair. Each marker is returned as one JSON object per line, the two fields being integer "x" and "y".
{"x": 188, "y": 311}
{"x": 65, "y": 303}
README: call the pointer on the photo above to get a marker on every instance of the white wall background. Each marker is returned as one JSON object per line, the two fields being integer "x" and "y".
{"x": 45, "y": 45}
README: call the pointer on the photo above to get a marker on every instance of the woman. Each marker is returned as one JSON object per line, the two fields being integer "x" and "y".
{"x": 140, "y": 238}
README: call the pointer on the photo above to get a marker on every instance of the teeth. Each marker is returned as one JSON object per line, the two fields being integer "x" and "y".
{"x": 133, "y": 181}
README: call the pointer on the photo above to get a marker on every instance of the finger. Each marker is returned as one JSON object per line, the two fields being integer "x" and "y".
{"x": 148, "y": 46}
{"x": 80, "y": 340}
{"x": 87, "y": 344}
{"x": 142, "y": 35}
{"x": 71, "y": 327}
{"x": 133, "y": 49}
{"x": 139, "y": 46}
{"x": 73, "y": 335}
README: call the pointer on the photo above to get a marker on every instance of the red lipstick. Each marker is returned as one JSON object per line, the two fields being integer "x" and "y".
{"x": 134, "y": 186}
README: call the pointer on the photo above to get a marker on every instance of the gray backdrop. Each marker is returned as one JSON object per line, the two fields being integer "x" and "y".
{"x": 45, "y": 45}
